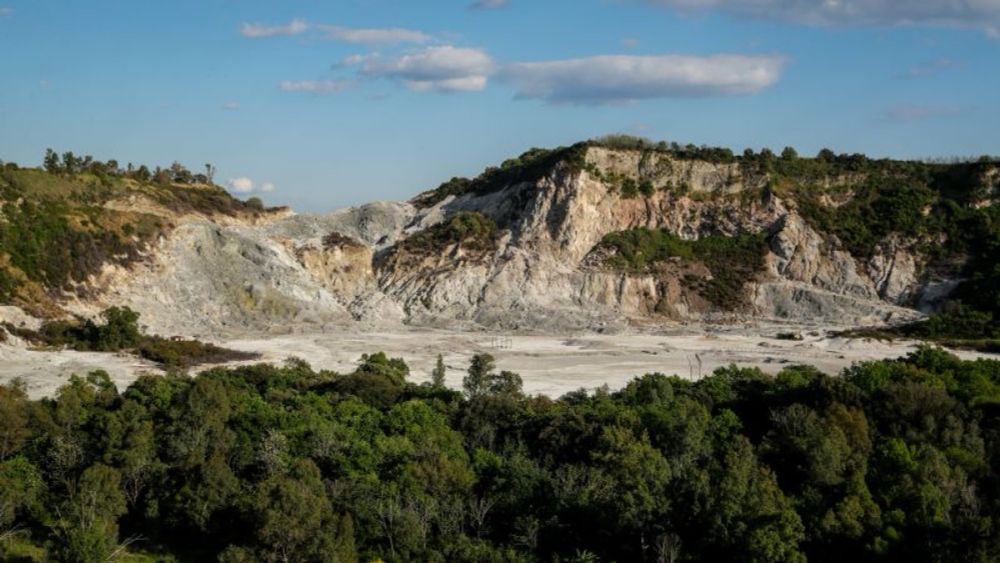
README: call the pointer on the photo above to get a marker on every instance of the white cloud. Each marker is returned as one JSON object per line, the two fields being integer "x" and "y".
{"x": 244, "y": 185}
{"x": 374, "y": 36}
{"x": 240, "y": 185}
{"x": 318, "y": 87}
{"x": 622, "y": 78}
{"x": 438, "y": 69}
{"x": 256, "y": 31}
{"x": 630, "y": 42}
{"x": 918, "y": 112}
{"x": 489, "y": 4}
{"x": 231, "y": 106}
{"x": 978, "y": 14}
{"x": 361, "y": 36}
{"x": 6, "y": 11}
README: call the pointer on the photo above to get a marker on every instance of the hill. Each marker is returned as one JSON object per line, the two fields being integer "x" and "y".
{"x": 600, "y": 235}
{"x": 63, "y": 225}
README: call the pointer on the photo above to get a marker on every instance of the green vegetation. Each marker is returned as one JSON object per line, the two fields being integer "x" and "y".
{"x": 732, "y": 261}
{"x": 961, "y": 329}
{"x": 57, "y": 228}
{"x": 439, "y": 372}
{"x": 120, "y": 331}
{"x": 878, "y": 208}
{"x": 529, "y": 167}
{"x": 469, "y": 229}
{"x": 891, "y": 461}
{"x": 718, "y": 155}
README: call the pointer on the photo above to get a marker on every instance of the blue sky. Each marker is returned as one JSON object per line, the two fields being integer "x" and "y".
{"x": 327, "y": 104}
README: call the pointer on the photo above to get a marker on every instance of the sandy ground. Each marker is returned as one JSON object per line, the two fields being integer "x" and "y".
{"x": 45, "y": 371}
{"x": 549, "y": 365}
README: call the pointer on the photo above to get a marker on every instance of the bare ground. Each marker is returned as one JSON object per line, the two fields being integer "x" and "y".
{"x": 549, "y": 365}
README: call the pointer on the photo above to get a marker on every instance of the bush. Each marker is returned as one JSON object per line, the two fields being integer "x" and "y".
{"x": 184, "y": 354}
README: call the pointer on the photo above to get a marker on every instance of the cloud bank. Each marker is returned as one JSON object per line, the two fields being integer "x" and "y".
{"x": 374, "y": 36}
{"x": 973, "y": 14}
{"x": 360, "y": 36}
{"x": 257, "y": 31}
{"x": 435, "y": 69}
{"x": 622, "y": 79}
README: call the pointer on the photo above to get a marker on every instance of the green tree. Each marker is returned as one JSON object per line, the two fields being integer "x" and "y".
{"x": 87, "y": 530}
{"x": 21, "y": 487}
{"x": 476, "y": 383}
{"x": 296, "y": 521}
{"x": 14, "y": 431}
{"x": 51, "y": 162}
{"x": 120, "y": 329}
{"x": 438, "y": 373}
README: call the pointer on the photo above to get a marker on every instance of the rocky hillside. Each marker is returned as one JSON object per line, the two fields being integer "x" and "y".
{"x": 64, "y": 227}
{"x": 597, "y": 236}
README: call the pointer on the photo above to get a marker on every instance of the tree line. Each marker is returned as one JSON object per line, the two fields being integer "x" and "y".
{"x": 70, "y": 164}
{"x": 891, "y": 460}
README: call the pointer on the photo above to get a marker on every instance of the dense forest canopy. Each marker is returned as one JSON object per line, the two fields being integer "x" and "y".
{"x": 892, "y": 460}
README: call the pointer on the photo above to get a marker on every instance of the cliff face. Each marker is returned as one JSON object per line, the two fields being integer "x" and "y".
{"x": 537, "y": 258}
{"x": 540, "y": 272}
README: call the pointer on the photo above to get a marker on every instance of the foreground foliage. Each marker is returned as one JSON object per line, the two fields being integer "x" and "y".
{"x": 893, "y": 460}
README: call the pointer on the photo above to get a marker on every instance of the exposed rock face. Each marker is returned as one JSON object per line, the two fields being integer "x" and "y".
{"x": 539, "y": 271}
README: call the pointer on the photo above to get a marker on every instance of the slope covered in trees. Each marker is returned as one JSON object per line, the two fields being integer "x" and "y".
{"x": 894, "y": 460}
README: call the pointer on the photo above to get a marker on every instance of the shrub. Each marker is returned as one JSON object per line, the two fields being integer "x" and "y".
{"x": 184, "y": 354}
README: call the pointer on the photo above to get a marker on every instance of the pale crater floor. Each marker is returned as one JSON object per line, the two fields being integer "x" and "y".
{"x": 549, "y": 365}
